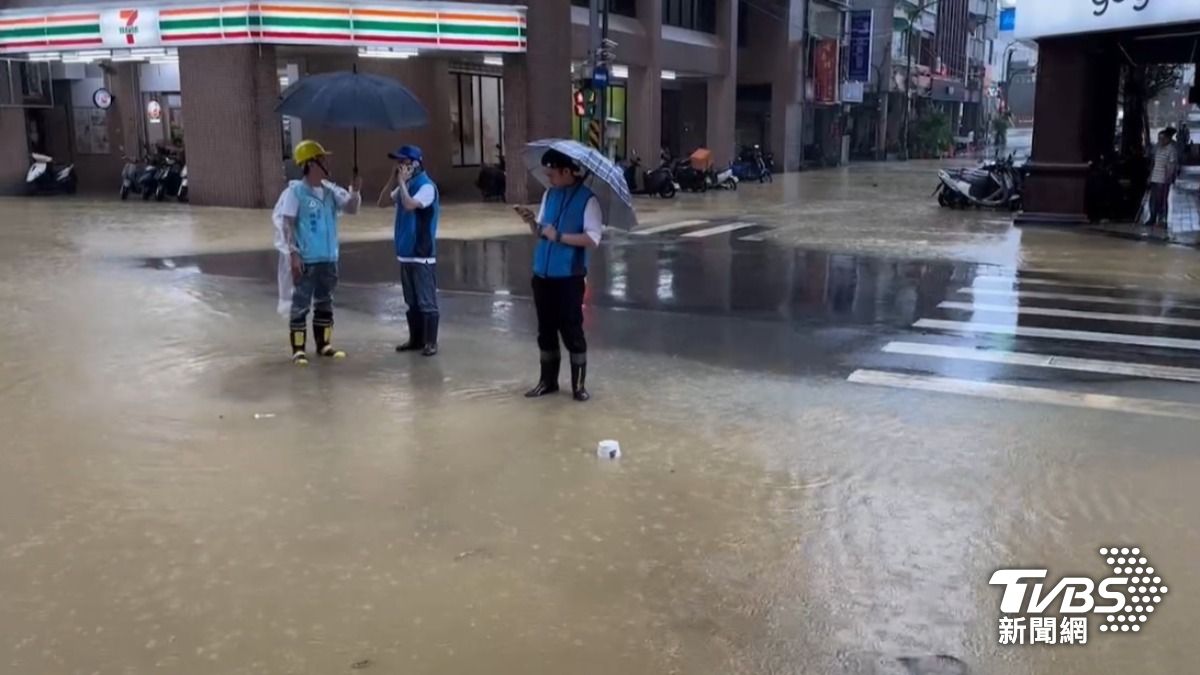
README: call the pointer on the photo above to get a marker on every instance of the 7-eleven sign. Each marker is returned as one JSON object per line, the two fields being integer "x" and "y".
{"x": 131, "y": 27}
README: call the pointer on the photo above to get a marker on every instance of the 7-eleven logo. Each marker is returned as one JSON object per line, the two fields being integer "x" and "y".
{"x": 130, "y": 17}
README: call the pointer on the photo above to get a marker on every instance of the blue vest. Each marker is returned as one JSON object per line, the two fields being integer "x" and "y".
{"x": 316, "y": 224}
{"x": 416, "y": 231}
{"x": 564, "y": 210}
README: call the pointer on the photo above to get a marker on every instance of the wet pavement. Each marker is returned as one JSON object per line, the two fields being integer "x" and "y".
{"x": 834, "y": 432}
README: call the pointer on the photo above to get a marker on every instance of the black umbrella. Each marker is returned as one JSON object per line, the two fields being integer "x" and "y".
{"x": 353, "y": 100}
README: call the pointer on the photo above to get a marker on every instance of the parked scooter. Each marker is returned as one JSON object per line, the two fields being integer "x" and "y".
{"x": 146, "y": 183}
{"x": 183, "y": 184}
{"x": 129, "y": 176}
{"x": 46, "y": 177}
{"x": 722, "y": 180}
{"x": 996, "y": 184}
{"x": 659, "y": 182}
{"x": 169, "y": 179}
{"x": 754, "y": 165}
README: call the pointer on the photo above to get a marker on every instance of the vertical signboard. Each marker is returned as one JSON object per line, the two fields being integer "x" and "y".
{"x": 825, "y": 85}
{"x": 858, "y": 67}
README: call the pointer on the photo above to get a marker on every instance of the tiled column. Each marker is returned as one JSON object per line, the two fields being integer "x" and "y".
{"x": 722, "y": 88}
{"x": 537, "y": 91}
{"x": 645, "y": 89}
{"x": 234, "y": 149}
{"x": 787, "y": 90}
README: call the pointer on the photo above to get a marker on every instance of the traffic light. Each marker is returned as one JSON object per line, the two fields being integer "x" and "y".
{"x": 581, "y": 109}
{"x": 585, "y": 101}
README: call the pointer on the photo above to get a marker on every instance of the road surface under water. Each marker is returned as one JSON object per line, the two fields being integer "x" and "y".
{"x": 175, "y": 497}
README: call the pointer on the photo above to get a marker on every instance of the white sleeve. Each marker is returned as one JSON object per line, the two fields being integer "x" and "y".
{"x": 288, "y": 205}
{"x": 425, "y": 195}
{"x": 593, "y": 220}
{"x": 348, "y": 202}
{"x": 541, "y": 216}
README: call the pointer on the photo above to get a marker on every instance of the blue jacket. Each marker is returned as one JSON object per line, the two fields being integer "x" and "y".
{"x": 416, "y": 231}
{"x": 316, "y": 224}
{"x": 564, "y": 210}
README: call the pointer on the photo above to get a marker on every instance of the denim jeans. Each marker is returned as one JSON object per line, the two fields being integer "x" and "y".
{"x": 315, "y": 289}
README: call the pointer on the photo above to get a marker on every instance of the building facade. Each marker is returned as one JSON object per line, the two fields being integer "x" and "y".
{"x": 204, "y": 78}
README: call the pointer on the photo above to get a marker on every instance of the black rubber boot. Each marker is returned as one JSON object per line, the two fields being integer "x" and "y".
{"x": 548, "y": 383}
{"x": 430, "y": 334}
{"x": 416, "y": 338}
{"x": 298, "y": 340}
{"x": 579, "y": 377}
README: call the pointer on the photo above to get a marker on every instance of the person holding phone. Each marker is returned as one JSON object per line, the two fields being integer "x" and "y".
{"x": 418, "y": 206}
{"x": 568, "y": 225}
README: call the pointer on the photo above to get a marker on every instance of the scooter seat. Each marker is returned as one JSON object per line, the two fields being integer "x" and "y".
{"x": 38, "y": 157}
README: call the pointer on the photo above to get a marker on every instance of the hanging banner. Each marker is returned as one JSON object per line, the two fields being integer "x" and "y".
{"x": 825, "y": 80}
{"x": 858, "y": 68}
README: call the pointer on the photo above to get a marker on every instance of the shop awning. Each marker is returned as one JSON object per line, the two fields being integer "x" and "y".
{"x": 406, "y": 25}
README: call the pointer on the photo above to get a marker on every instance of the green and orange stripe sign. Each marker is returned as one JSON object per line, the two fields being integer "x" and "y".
{"x": 60, "y": 31}
{"x": 466, "y": 27}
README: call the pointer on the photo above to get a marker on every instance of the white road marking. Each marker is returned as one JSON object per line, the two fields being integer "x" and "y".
{"x": 1033, "y": 281}
{"x": 1070, "y": 314}
{"x": 1068, "y": 297}
{"x": 1059, "y": 334}
{"x": 1145, "y": 370}
{"x": 719, "y": 229}
{"x": 668, "y": 227}
{"x": 1159, "y": 276}
{"x": 752, "y": 237}
{"x": 1023, "y": 394}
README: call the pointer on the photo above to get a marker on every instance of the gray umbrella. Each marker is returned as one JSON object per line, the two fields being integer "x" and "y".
{"x": 605, "y": 179}
{"x": 353, "y": 100}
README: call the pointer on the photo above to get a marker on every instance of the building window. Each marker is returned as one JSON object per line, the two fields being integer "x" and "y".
{"x": 698, "y": 15}
{"x": 477, "y": 119}
{"x": 622, "y": 7}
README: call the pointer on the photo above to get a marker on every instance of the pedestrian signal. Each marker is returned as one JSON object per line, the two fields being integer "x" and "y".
{"x": 581, "y": 107}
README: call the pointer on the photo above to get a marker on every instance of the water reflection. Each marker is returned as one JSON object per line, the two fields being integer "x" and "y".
{"x": 758, "y": 280}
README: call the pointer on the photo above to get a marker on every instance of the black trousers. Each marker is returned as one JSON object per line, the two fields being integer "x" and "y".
{"x": 559, "y": 304}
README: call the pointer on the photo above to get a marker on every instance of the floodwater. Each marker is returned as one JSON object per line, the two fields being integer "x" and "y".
{"x": 175, "y": 497}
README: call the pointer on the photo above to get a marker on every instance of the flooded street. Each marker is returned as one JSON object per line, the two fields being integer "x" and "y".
{"x": 176, "y": 497}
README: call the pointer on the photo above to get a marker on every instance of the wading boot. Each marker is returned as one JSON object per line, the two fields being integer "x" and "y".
{"x": 298, "y": 340}
{"x": 324, "y": 338}
{"x": 578, "y": 377}
{"x": 431, "y": 335}
{"x": 548, "y": 383}
{"x": 416, "y": 340}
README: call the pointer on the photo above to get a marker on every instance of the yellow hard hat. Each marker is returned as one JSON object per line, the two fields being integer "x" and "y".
{"x": 306, "y": 151}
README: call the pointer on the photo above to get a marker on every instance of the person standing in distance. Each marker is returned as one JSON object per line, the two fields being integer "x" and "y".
{"x": 568, "y": 226}
{"x": 418, "y": 206}
{"x": 310, "y": 208}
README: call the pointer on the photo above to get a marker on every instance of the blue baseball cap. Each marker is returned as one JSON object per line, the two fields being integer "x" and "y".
{"x": 409, "y": 152}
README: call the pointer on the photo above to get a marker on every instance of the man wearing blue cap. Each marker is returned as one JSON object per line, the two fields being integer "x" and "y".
{"x": 417, "y": 207}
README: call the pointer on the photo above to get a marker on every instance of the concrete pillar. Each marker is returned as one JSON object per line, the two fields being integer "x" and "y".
{"x": 537, "y": 91}
{"x": 234, "y": 151}
{"x": 722, "y": 88}
{"x": 1075, "y": 118}
{"x": 14, "y": 151}
{"x": 645, "y": 89}
{"x": 787, "y": 89}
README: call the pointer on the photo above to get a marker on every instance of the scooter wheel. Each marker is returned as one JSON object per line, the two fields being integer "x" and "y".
{"x": 943, "y": 200}
{"x": 159, "y": 194}
{"x": 124, "y": 193}
{"x": 667, "y": 191}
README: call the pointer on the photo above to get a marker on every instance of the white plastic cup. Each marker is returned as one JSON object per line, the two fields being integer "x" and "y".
{"x": 608, "y": 450}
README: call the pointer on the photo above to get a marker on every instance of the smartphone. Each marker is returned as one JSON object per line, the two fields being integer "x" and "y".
{"x": 525, "y": 213}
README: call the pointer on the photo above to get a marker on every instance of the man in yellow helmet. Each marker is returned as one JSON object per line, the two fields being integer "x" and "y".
{"x": 308, "y": 211}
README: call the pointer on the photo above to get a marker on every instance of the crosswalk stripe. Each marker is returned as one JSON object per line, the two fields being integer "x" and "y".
{"x": 719, "y": 229}
{"x": 1070, "y": 314}
{"x": 753, "y": 238}
{"x": 1059, "y": 334}
{"x": 1160, "y": 275}
{"x": 1068, "y": 297}
{"x": 1025, "y": 394}
{"x": 1034, "y": 281}
{"x": 668, "y": 227}
{"x": 1144, "y": 370}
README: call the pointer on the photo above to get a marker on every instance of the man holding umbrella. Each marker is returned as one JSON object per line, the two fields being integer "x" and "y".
{"x": 417, "y": 208}
{"x": 568, "y": 225}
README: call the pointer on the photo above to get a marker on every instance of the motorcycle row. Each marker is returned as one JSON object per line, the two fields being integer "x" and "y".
{"x": 694, "y": 173}
{"x": 997, "y": 184}
{"x": 160, "y": 175}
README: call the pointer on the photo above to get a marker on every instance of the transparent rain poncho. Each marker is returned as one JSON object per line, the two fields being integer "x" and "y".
{"x": 284, "y": 271}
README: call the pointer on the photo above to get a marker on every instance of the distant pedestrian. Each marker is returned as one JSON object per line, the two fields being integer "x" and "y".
{"x": 417, "y": 209}
{"x": 1162, "y": 175}
{"x": 568, "y": 225}
{"x": 308, "y": 211}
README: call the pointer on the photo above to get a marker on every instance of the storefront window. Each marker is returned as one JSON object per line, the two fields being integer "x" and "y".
{"x": 622, "y": 7}
{"x": 477, "y": 119}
